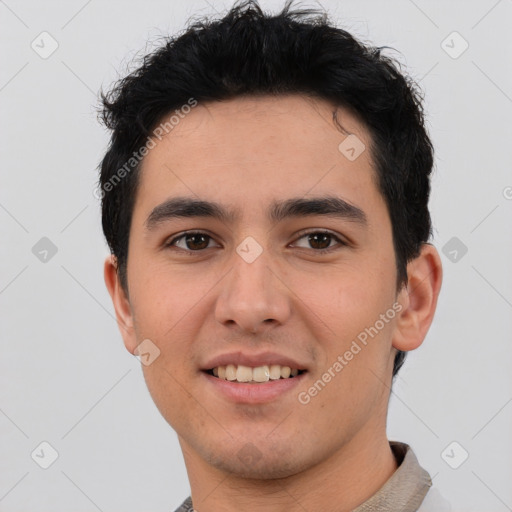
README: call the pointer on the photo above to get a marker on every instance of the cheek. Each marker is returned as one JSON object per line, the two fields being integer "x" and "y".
{"x": 162, "y": 296}
{"x": 350, "y": 299}
{"x": 348, "y": 306}
{"x": 171, "y": 307}
{"x": 166, "y": 387}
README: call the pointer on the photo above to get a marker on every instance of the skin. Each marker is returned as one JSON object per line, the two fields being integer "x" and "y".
{"x": 329, "y": 454}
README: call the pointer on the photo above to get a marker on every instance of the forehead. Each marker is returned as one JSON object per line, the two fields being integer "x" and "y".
{"x": 258, "y": 148}
{"x": 266, "y": 123}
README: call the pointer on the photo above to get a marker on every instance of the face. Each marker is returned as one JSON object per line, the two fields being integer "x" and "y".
{"x": 253, "y": 283}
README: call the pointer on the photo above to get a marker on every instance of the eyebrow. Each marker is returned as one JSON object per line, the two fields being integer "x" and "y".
{"x": 187, "y": 207}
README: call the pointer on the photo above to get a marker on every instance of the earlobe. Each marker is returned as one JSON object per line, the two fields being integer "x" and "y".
{"x": 121, "y": 303}
{"x": 419, "y": 299}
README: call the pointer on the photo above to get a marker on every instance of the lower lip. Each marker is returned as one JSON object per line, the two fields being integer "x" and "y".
{"x": 254, "y": 393}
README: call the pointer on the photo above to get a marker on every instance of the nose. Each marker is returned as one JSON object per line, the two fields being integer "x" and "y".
{"x": 253, "y": 297}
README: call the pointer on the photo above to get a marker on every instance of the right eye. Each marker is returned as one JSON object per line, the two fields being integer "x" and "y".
{"x": 192, "y": 241}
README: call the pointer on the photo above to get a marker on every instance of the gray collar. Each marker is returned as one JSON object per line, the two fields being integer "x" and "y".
{"x": 405, "y": 489}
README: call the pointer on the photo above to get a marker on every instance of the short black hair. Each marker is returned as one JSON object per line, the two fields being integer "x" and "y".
{"x": 251, "y": 53}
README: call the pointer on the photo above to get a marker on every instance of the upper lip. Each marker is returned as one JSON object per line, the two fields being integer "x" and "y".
{"x": 246, "y": 359}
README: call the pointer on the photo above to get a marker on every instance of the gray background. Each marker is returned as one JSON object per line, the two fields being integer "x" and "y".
{"x": 66, "y": 377}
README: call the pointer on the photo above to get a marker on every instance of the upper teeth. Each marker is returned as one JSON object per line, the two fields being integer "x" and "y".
{"x": 242, "y": 373}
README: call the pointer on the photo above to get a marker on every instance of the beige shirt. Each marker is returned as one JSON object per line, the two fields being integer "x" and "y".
{"x": 407, "y": 490}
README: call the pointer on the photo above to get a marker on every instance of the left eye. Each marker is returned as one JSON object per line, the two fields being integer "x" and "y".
{"x": 321, "y": 239}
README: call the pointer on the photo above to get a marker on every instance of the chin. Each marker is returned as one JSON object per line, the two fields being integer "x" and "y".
{"x": 264, "y": 468}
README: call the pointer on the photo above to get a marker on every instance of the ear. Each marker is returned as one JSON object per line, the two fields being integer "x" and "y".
{"x": 418, "y": 299}
{"x": 121, "y": 303}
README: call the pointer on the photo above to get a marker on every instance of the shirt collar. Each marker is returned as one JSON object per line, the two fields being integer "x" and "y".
{"x": 405, "y": 489}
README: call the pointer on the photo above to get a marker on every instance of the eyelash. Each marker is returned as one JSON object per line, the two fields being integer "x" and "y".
{"x": 172, "y": 242}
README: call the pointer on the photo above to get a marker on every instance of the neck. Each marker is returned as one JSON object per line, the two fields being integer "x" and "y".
{"x": 345, "y": 480}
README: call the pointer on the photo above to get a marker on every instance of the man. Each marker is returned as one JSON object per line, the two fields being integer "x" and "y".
{"x": 265, "y": 199}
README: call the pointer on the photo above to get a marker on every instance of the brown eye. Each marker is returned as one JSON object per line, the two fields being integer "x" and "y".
{"x": 320, "y": 241}
{"x": 196, "y": 242}
{"x": 193, "y": 241}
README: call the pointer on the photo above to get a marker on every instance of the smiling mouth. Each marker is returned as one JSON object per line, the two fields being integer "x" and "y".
{"x": 257, "y": 375}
